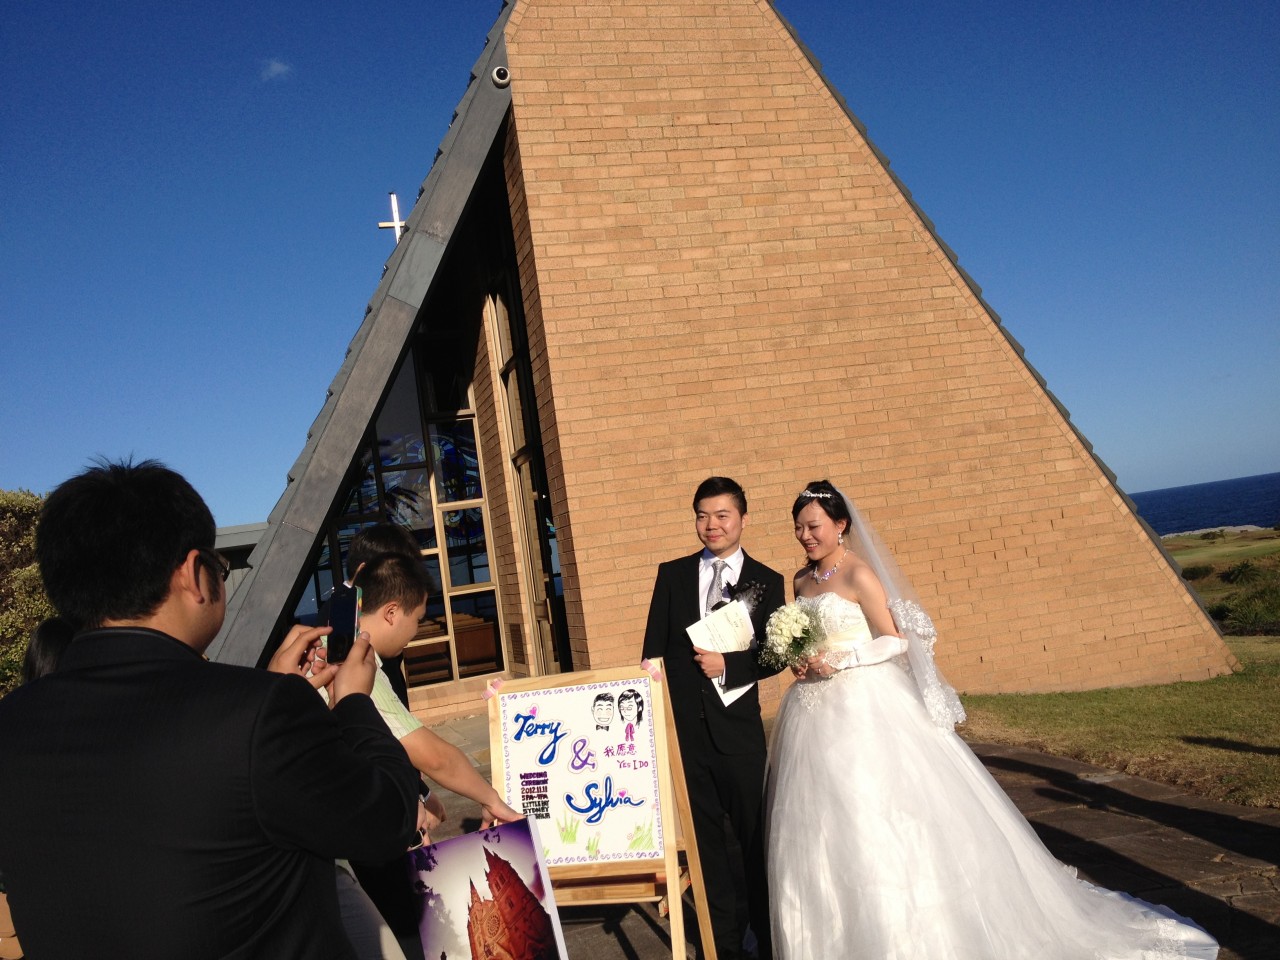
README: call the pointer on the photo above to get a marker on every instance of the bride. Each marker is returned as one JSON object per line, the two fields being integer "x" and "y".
{"x": 887, "y": 838}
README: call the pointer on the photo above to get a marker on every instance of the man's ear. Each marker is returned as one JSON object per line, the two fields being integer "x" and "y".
{"x": 390, "y": 613}
{"x": 186, "y": 581}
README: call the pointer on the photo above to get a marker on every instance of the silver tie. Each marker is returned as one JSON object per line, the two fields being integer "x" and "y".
{"x": 716, "y": 593}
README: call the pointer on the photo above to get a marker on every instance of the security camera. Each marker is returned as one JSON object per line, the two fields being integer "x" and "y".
{"x": 501, "y": 77}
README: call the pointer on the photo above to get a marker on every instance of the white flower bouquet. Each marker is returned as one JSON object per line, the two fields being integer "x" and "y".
{"x": 792, "y": 635}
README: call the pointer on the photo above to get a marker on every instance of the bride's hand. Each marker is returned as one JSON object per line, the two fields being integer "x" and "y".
{"x": 799, "y": 670}
{"x": 819, "y": 667}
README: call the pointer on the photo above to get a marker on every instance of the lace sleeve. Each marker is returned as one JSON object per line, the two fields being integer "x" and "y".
{"x": 939, "y": 697}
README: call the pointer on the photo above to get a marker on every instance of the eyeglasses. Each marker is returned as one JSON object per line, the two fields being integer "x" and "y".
{"x": 216, "y": 563}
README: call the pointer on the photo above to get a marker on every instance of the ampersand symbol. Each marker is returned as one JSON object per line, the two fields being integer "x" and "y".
{"x": 583, "y": 759}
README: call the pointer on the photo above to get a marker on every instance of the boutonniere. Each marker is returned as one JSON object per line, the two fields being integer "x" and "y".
{"x": 749, "y": 593}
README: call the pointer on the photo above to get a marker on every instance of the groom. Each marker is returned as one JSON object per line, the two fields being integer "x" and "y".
{"x": 717, "y": 709}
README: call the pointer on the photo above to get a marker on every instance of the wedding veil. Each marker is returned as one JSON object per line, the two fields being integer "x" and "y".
{"x": 913, "y": 623}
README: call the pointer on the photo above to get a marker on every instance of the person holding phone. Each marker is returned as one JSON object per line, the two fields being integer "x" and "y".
{"x": 370, "y": 542}
{"x": 393, "y": 590}
{"x": 183, "y": 795}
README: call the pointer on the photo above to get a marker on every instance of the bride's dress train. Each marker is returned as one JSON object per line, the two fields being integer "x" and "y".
{"x": 887, "y": 839}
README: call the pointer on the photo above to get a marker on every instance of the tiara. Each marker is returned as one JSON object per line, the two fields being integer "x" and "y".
{"x": 825, "y": 494}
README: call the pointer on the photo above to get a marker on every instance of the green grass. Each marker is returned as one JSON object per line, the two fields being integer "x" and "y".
{"x": 568, "y": 828}
{"x": 1217, "y": 738}
{"x": 642, "y": 838}
{"x": 1236, "y": 576}
{"x": 1193, "y": 548}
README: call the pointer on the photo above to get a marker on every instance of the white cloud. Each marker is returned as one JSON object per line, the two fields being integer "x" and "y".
{"x": 274, "y": 69}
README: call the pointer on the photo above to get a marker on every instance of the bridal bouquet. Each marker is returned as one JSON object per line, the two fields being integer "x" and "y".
{"x": 792, "y": 635}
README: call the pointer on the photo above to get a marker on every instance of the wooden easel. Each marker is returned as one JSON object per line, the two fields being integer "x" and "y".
{"x": 627, "y": 881}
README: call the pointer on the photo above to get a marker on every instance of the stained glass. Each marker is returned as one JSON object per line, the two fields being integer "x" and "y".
{"x": 406, "y": 500}
{"x": 467, "y": 550}
{"x": 453, "y": 450}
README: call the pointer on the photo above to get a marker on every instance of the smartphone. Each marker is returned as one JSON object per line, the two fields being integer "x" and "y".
{"x": 344, "y": 617}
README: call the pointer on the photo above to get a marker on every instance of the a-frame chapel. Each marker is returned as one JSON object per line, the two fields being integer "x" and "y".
{"x": 656, "y": 245}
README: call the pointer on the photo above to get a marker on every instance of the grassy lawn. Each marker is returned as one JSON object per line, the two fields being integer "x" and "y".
{"x": 1218, "y": 738}
{"x": 1260, "y": 548}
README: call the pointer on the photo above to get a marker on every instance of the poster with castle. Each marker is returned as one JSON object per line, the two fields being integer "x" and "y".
{"x": 487, "y": 894}
{"x": 582, "y": 760}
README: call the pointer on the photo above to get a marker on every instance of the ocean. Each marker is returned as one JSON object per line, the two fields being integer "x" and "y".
{"x": 1245, "y": 501}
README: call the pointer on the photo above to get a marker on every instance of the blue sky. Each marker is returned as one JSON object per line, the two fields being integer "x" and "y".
{"x": 191, "y": 192}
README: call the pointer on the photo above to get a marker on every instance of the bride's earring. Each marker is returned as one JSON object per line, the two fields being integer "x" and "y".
{"x": 842, "y": 539}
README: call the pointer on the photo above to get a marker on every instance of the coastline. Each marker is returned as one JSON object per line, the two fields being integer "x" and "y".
{"x": 1244, "y": 528}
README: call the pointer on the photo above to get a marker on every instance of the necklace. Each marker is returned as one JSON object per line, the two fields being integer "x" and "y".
{"x": 827, "y": 576}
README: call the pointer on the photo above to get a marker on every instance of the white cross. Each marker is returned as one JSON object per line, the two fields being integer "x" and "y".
{"x": 395, "y": 223}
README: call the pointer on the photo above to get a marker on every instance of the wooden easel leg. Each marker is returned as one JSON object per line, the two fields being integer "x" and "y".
{"x": 691, "y": 854}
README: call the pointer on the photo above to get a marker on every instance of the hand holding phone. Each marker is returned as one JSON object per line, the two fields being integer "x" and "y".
{"x": 357, "y": 674}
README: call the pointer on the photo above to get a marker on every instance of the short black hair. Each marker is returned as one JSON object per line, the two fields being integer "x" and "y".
{"x": 45, "y": 647}
{"x": 392, "y": 578}
{"x": 602, "y": 698}
{"x": 826, "y": 496}
{"x": 718, "y": 487}
{"x": 377, "y": 539}
{"x": 110, "y": 538}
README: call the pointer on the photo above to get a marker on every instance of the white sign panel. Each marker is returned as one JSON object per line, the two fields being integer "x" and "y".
{"x": 582, "y": 761}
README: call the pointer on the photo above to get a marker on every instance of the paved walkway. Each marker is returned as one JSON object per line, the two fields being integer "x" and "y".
{"x": 1213, "y": 862}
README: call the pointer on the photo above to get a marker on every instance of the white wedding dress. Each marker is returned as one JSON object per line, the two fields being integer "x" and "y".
{"x": 887, "y": 839}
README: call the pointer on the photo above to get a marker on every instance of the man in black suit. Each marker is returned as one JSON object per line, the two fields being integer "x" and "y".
{"x": 156, "y": 805}
{"x": 717, "y": 708}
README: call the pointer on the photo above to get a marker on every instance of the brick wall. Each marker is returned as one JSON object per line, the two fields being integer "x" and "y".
{"x": 726, "y": 279}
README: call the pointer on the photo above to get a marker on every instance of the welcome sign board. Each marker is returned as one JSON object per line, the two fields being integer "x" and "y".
{"x": 582, "y": 760}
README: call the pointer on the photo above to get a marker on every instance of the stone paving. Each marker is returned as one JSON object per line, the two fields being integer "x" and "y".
{"x": 1214, "y": 862}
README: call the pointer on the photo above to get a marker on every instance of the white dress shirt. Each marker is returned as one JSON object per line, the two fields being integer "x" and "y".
{"x": 706, "y": 573}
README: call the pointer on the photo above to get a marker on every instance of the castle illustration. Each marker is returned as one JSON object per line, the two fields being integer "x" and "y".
{"x": 512, "y": 925}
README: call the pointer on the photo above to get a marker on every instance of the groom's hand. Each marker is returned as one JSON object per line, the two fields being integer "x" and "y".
{"x": 712, "y": 663}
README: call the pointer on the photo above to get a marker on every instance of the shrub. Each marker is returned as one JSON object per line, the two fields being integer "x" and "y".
{"x": 1213, "y": 535}
{"x": 1255, "y": 615}
{"x": 1244, "y": 572}
{"x": 23, "y": 603}
{"x": 1196, "y": 572}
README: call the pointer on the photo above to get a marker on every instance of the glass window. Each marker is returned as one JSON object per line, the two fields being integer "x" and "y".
{"x": 400, "y": 424}
{"x": 428, "y": 662}
{"x": 308, "y": 604}
{"x": 453, "y": 449}
{"x": 448, "y": 364}
{"x": 346, "y": 533}
{"x": 467, "y": 549}
{"x": 557, "y": 579}
{"x": 406, "y": 499}
{"x": 362, "y": 500}
{"x": 425, "y": 476}
{"x": 324, "y": 583}
{"x": 475, "y": 633}
{"x": 434, "y": 623}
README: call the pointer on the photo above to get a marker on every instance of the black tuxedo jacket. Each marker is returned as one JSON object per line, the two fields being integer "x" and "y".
{"x": 154, "y": 805}
{"x": 675, "y": 605}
